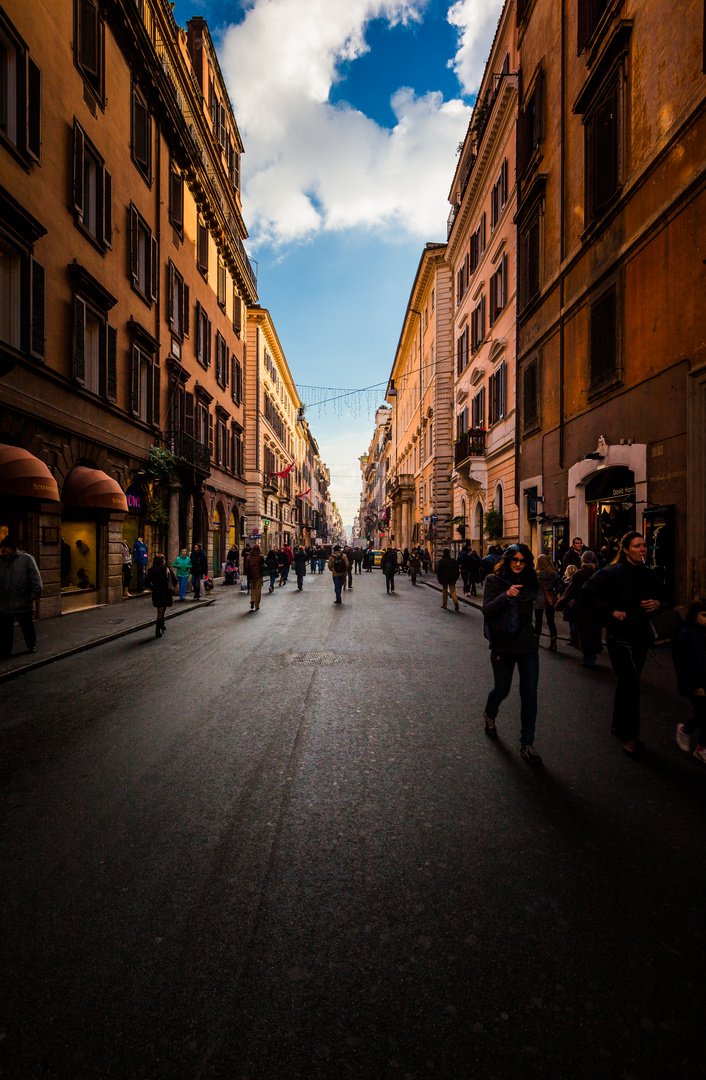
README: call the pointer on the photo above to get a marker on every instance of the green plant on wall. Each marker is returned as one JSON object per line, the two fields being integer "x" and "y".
{"x": 161, "y": 464}
{"x": 157, "y": 513}
{"x": 493, "y": 523}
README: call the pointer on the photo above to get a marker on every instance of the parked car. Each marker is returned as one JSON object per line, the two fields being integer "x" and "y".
{"x": 377, "y": 557}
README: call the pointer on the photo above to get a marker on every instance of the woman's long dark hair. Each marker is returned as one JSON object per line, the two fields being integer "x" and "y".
{"x": 528, "y": 577}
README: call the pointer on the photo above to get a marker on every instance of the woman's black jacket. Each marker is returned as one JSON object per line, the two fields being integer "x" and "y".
{"x": 271, "y": 561}
{"x": 199, "y": 563}
{"x": 300, "y": 561}
{"x": 496, "y": 603}
{"x": 623, "y": 586}
{"x": 690, "y": 660}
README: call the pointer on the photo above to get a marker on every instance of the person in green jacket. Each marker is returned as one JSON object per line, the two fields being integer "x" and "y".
{"x": 182, "y": 566}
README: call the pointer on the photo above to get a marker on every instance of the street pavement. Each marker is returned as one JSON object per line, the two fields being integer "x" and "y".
{"x": 279, "y": 845}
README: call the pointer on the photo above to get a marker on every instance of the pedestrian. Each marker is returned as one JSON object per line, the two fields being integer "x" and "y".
{"x": 338, "y": 565}
{"x": 508, "y": 606}
{"x": 490, "y": 561}
{"x": 182, "y": 567}
{"x": 474, "y": 570}
{"x": 415, "y": 564}
{"x": 348, "y": 552}
{"x": 368, "y": 559}
{"x": 20, "y": 586}
{"x": 398, "y": 554}
{"x": 139, "y": 559}
{"x": 199, "y": 569}
{"x": 282, "y": 566}
{"x": 625, "y": 594}
{"x": 289, "y": 556}
{"x": 161, "y": 581}
{"x": 464, "y": 566}
{"x": 256, "y": 571}
{"x": 405, "y": 560}
{"x": 584, "y": 618}
{"x": 568, "y": 608}
{"x": 447, "y": 574}
{"x": 321, "y": 560}
{"x": 271, "y": 567}
{"x": 233, "y": 556}
{"x": 246, "y": 553}
{"x": 573, "y": 555}
{"x": 312, "y": 556}
{"x": 545, "y": 601}
{"x": 358, "y": 560}
{"x": 388, "y": 566}
{"x": 127, "y": 568}
{"x": 300, "y": 561}
{"x": 690, "y": 664}
{"x": 426, "y": 559}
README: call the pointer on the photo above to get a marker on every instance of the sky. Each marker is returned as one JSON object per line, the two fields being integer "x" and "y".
{"x": 351, "y": 113}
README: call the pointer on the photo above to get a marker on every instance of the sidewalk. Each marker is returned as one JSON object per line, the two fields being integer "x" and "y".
{"x": 81, "y": 630}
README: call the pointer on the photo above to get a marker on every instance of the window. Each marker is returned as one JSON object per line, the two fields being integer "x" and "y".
{"x": 177, "y": 303}
{"x": 141, "y": 134}
{"x": 496, "y": 394}
{"x": 91, "y": 190}
{"x": 236, "y": 380}
{"x": 530, "y": 397}
{"x": 144, "y": 257}
{"x": 222, "y": 359}
{"x": 602, "y": 159}
{"x": 478, "y": 324}
{"x": 498, "y": 196}
{"x": 529, "y": 260}
{"x": 237, "y": 312}
{"x": 20, "y": 95}
{"x": 237, "y": 454}
{"x": 145, "y": 384}
{"x": 498, "y": 506}
{"x": 590, "y": 13}
{"x": 176, "y": 198}
{"x": 477, "y": 244}
{"x": 530, "y": 123}
{"x": 462, "y": 423}
{"x": 89, "y": 45}
{"x": 604, "y": 340}
{"x": 462, "y": 351}
{"x": 22, "y": 301}
{"x": 94, "y": 349}
{"x": 202, "y": 248}
{"x": 222, "y": 450}
{"x": 498, "y": 290}
{"x": 478, "y": 409}
{"x": 233, "y": 158}
{"x": 462, "y": 279}
{"x": 221, "y": 283}
{"x": 203, "y": 337}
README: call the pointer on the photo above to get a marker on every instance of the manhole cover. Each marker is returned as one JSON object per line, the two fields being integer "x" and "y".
{"x": 317, "y": 659}
{"x": 116, "y": 622}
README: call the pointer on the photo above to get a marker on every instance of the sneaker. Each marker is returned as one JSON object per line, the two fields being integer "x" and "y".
{"x": 683, "y": 740}
{"x": 490, "y": 728}
{"x": 530, "y": 754}
{"x": 700, "y": 754}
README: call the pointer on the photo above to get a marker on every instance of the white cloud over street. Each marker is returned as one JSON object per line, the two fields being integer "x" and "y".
{"x": 313, "y": 165}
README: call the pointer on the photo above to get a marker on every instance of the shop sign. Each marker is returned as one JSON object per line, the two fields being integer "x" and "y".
{"x": 134, "y": 499}
{"x": 614, "y": 483}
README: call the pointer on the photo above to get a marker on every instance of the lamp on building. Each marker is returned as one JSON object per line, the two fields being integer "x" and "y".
{"x": 391, "y": 390}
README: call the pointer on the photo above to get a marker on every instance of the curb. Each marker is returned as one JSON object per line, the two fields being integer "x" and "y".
{"x": 7, "y": 676}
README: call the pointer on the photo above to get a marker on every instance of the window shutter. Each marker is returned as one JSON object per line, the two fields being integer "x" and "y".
{"x": 135, "y": 381}
{"x": 154, "y": 269}
{"x": 493, "y": 297}
{"x": 156, "y": 389}
{"x": 226, "y": 363}
{"x": 37, "y": 312}
{"x": 503, "y": 178}
{"x": 140, "y": 131}
{"x": 584, "y": 24}
{"x": 176, "y": 193}
{"x": 34, "y": 109}
{"x": 537, "y": 97}
{"x": 79, "y": 340}
{"x": 170, "y": 295}
{"x": 529, "y": 396}
{"x": 237, "y": 313}
{"x": 189, "y": 414}
{"x": 503, "y": 283}
{"x": 111, "y": 383}
{"x": 210, "y": 434}
{"x": 88, "y": 37}
{"x": 605, "y": 158}
{"x": 186, "y": 311}
{"x": 482, "y": 319}
{"x": 150, "y": 393}
{"x": 78, "y": 168}
{"x": 107, "y": 208}
{"x": 482, "y": 224}
{"x": 208, "y": 342}
{"x": 203, "y": 248}
{"x": 199, "y": 343}
{"x": 603, "y": 339}
{"x": 133, "y": 244}
{"x": 103, "y": 361}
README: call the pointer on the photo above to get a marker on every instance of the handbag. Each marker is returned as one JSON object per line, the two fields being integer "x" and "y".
{"x": 665, "y": 626}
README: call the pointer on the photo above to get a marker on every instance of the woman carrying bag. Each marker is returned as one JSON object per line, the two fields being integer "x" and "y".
{"x": 549, "y": 584}
{"x": 161, "y": 580}
{"x": 508, "y": 605}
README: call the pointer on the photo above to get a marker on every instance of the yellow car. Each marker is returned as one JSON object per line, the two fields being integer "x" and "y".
{"x": 377, "y": 558}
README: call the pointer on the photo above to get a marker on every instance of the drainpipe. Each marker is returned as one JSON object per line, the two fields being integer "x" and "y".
{"x": 561, "y": 237}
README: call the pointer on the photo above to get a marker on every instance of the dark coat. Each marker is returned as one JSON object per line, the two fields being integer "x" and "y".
{"x": 495, "y": 606}
{"x": 161, "y": 581}
{"x": 389, "y": 563}
{"x": 199, "y": 563}
{"x": 255, "y": 567}
{"x": 690, "y": 660}
{"x": 582, "y": 612}
{"x": 447, "y": 570}
{"x": 271, "y": 562}
{"x": 549, "y": 583}
{"x": 474, "y": 567}
{"x": 572, "y": 558}
{"x": 300, "y": 561}
{"x": 622, "y": 587}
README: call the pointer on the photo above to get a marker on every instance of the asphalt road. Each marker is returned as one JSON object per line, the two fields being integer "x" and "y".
{"x": 280, "y": 846}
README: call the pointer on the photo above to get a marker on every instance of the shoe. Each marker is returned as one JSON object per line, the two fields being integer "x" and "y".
{"x": 630, "y": 747}
{"x": 33, "y": 649}
{"x": 456, "y": 607}
{"x": 158, "y": 631}
{"x": 530, "y": 754}
{"x": 252, "y": 605}
{"x": 444, "y": 606}
{"x": 552, "y": 645}
{"x": 683, "y": 740}
{"x": 700, "y": 754}
{"x": 490, "y": 728}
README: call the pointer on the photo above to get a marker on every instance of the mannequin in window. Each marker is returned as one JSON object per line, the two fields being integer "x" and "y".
{"x": 139, "y": 559}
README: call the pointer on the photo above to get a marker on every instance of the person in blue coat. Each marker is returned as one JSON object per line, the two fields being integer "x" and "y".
{"x": 139, "y": 561}
{"x": 690, "y": 665}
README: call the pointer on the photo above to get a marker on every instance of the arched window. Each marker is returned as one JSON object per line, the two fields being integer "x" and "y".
{"x": 479, "y": 521}
{"x": 499, "y": 507}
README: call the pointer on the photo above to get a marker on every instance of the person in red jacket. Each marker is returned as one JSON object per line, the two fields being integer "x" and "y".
{"x": 289, "y": 556}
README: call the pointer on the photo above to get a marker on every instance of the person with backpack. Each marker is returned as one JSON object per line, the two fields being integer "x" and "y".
{"x": 447, "y": 575}
{"x": 338, "y": 565}
{"x": 508, "y": 607}
{"x": 388, "y": 565}
{"x": 300, "y": 561}
{"x": 690, "y": 665}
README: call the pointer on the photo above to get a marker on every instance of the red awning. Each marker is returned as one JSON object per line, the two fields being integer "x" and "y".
{"x": 93, "y": 488}
{"x": 21, "y": 473}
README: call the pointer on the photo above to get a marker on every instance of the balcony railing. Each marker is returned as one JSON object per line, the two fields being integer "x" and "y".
{"x": 469, "y": 444}
{"x": 270, "y": 484}
{"x": 188, "y": 451}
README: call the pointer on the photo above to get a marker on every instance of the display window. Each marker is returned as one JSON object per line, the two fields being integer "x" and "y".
{"x": 79, "y": 556}
{"x": 216, "y": 549}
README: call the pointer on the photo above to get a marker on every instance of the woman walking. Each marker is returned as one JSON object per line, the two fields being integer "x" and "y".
{"x": 300, "y": 561}
{"x": 586, "y": 619}
{"x": 161, "y": 581}
{"x": 690, "y": 665}
{"x": 271, "y": 564}
{"x": 182, "y": 566}
{"x": 199, "y": 569}
{"x": 625, "y": 594}
{"x": 508, "y": 604}
{"x": 389, "y": 568}
{"x": 549, "y": 583}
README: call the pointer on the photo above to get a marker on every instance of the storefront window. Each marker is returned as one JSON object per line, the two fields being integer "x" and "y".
{"x": 216, "y": 541}
{"x": 79, "y": 556}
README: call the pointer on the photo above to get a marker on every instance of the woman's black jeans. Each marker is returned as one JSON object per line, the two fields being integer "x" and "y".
{"x": 628, "y": 659}
{"x": 528, "y": 667}
{"x": 551, "y": 623}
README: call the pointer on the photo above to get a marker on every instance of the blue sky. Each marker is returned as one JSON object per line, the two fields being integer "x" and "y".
{"x": 350, "y": 112}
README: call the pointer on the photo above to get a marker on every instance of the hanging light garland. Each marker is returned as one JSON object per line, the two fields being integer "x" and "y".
{"x": 342, "y": 402}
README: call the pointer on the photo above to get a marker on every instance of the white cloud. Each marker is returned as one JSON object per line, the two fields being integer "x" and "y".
{"x": 476, "y": 21}
{"x": 311, "y": 165}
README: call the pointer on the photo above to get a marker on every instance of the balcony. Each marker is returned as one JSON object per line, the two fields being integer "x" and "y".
{"x": 188, "y": 451}
{"x": 470, "y": 444}
{"x": 270, "y": 485}
{"x": 400, "y": 486}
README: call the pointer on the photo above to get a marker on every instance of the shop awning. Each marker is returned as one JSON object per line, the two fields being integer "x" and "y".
{"x": 93, "y": 488}
{"x": 21, "y": 473}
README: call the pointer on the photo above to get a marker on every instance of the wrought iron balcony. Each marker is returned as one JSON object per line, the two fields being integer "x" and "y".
{"x": 469, "y": 444}
{"x": 270, "y": 485}
{"x": 188, "y": 451}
